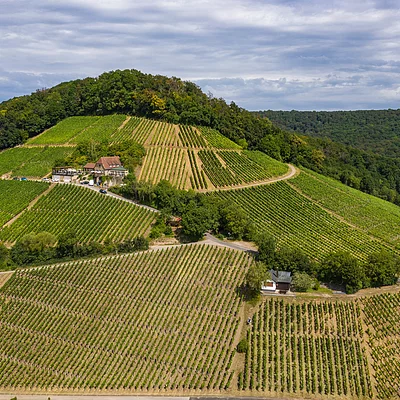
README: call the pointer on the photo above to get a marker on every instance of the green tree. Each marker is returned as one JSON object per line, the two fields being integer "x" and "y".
{"x": 256, "y": 275}
{"x": 382, "y": 269}
{"x": 67, "y": 244}
{"x": 302, "y": 282}
{"x": 234, "y": 221}
{"x": 266, "y": 247}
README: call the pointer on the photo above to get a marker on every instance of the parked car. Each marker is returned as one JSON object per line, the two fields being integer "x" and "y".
{"x": 91, "y": 182}
{"x": 15, "y": 178}
{"x": 45, "y": 179}
{"x": 24, "y": 179}
{"x": 104, "y": 191}
{"x": 85, "y": 182}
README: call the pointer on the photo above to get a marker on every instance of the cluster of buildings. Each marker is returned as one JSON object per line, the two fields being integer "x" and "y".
{"x": 106, "y": 169}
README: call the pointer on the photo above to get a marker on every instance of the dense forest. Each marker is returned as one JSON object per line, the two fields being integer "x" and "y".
{"x": 370, "y": 130}
{"x": 171, "y": 99}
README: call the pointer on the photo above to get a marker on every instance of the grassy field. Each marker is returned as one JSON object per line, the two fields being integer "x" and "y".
{"x": 91, "y": 215}
{"x": 16, "y": 195}
{"x": 297, "y": 222}
{"x": 375, "y": 216}
{"x": 161, "y": 320}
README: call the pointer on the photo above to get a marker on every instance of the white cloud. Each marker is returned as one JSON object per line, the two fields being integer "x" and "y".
{"x": 301, "y": 41}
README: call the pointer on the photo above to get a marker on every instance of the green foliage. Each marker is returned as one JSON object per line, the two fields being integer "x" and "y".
{"x": 256, "y": 275}
{"x": 293, "y": 260}
{"x": 218, "y": 141}
{"x": 242, "y": 346}
{"x": 302, "y": 282}
{"x": 11, "y": 159}
{"x": 266, "y": 247}
{"x": 382, "y": 269}
{"x": 33, "y": 248}
{"x": 235, "y": 222}
{"x": 343, "y": 268}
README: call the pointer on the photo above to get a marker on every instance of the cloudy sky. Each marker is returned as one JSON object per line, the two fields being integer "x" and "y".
{"x": 262, "y": 54}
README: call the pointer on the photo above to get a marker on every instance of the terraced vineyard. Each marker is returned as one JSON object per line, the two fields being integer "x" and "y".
{"x": 42, "y": 162}
{"x": 64, "y": 131}
{"x": 16, "y": 195}
{"x": 91, "y": 215}
{"x": 377, "y": 217}
{"x": 307, "y": 348}
{"x": 165, "y": 163}
{"x": 297, "y": 222}
{"x": 143, "y": 130}
{"x": 161, "y": 320}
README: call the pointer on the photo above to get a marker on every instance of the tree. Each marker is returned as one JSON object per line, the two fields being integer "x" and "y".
{"x": 33, "y": 248}
{"x": 197, "y": 220}
{"x": 382, "y": 269}
{"x": 266, "y": 247}
{"x": 234, "y": 221}
{"x": 343, "y": 268}
{"x": 67, "y": 244}
{"x": 302, "y": 282}
{"x": 293, "y": 260}
{"x": 256, "y": 275}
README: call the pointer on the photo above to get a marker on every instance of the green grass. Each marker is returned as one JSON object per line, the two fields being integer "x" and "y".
{"x": 11, "y": 159}
{"x": 160, "y": 320}
{"x": 16, "y": 195}
{"x": 42, "y": 163}
{"x": 64, "y": 130}
{"x": 376, "y": 216}
{"x": 93, "y": 216}
{"x": 297, "y": 222}
{"x": 102, "y": 129}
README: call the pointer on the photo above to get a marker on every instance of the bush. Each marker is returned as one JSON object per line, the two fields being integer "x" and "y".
{"x": 242, "y": 346}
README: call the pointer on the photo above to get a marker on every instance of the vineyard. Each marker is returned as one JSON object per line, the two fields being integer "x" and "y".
{"x": 64, "y": 131}
{"x": 91, "y": 215}
{"x": 16, "y": 195}
{"x": 42, "y": 162}
{"x": 377, "y": 217}
{"x": 382, "y": 316}
{"x": 307, "y": 348}
{"x": 216, "y": 140}
{"x": 160, "y": 320}
{"x": 190, "y": 158}
{"x": 297, "y": 222}
{"x": 102, "y": 129}
{"x": 11, "y": 159}
{"x": 165, "y": 163}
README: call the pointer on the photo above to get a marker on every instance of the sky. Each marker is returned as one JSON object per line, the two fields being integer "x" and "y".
{"x": 273, "y": 54}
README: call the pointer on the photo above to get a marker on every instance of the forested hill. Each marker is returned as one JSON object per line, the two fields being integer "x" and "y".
{"x": 371, "y": 130}
{"x": 159, "y": 97}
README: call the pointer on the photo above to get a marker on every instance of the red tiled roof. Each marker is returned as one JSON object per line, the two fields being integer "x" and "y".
{"x": 109, "y": 162}
{"x": 90, "y": 165}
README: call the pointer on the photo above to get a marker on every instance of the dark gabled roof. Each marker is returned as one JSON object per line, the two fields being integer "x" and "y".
{"x": 281, "y": 276}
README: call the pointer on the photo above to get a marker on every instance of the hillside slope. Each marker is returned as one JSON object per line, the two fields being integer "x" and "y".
{"x": 377, "y": 131}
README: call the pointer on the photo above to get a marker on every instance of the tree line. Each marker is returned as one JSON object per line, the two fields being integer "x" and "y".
{"x": 341, "y": 268}
{"x": 173, "y": 100}
{"x": 46, "y": 248}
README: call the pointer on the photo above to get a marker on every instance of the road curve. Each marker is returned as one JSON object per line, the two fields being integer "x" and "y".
{"x": 290, "y": 174}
